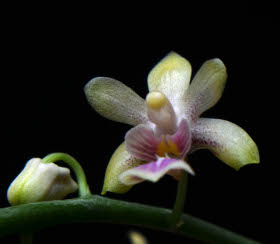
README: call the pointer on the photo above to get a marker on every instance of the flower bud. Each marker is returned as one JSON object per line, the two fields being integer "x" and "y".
{"x": 39, "y": 181}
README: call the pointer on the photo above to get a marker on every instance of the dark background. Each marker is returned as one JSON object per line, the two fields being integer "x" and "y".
{"x": 50, "y": 56}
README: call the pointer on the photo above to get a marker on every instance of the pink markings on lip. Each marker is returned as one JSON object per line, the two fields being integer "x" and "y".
{"x": 142, "y": 143}
{"x": 153, "y": 171}
{"x": 182, "y": 138}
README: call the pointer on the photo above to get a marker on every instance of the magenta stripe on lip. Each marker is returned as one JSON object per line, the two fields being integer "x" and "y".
{"x": 153, "y": 171}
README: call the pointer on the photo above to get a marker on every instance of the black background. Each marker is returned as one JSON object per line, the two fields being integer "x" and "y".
{"x": 49, "y": 56}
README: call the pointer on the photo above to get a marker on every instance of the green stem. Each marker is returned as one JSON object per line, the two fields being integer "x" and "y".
{"x": 179, "y": 202}
{"x": 73, "y": 163}
{"x": 34, "y": 216}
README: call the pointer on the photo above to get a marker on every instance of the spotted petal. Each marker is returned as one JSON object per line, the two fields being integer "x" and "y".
{"x": 171, "y": 76}
{"x": 226, "y": 140}
{"x": 153, "y": 171}
{"x": 206, "y": 89}
{"x": 119, "y": 162}
{"x": 114, "y": 100}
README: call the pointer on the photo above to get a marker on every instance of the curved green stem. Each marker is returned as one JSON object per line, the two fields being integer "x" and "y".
{"x": 34, "y": 216}
{"x": 179, "y": 202}
{"x": 73, "y": 163}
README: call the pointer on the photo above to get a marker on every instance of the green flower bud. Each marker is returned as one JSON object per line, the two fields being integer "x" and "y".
{"x": 39, "y": 181}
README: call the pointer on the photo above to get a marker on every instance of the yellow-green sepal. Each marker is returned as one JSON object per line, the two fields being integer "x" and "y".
{"x": 120, "y": 161}
{"x": 115, "y": 101}
{"x": 171, "y": 76}
{"x": 206, "y": 88}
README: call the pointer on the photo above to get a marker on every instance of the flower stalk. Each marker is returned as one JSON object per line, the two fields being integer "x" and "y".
{"x": 35, "y": 216}
{"x": 180, "y": 201}
{"x": 75, "y": 166}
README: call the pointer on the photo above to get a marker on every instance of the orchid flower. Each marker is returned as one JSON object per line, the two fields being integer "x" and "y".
{"x": 166, "y": 124}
